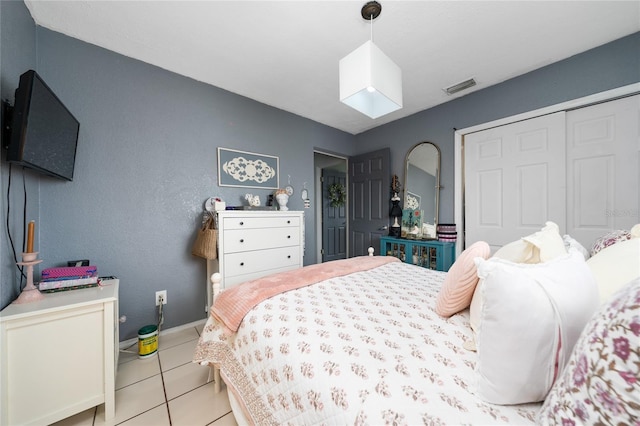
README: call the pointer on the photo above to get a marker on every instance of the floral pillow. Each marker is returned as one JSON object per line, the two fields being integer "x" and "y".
{"x": 610, "y": 239}
{"x": 600, "y": 384}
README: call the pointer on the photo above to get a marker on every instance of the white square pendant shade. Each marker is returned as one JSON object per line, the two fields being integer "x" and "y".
{"x": 370, "y": 82}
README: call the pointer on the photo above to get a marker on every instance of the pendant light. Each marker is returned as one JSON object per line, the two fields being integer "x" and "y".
{"x": 370, "y": 82}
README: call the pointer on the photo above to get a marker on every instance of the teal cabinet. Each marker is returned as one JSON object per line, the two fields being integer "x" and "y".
{"x": 430, "y": 254}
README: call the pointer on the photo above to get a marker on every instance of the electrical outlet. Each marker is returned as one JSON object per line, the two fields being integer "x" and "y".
{"x": 161, "y": 296}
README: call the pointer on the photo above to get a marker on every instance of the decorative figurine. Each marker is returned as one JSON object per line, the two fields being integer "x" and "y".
{"x": 282, "y": 198}
{"x": 254, "y": 200}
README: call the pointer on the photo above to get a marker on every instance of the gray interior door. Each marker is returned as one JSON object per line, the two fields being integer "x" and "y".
{"x": 369, "y": 200}
{"x": 334, "y": 219}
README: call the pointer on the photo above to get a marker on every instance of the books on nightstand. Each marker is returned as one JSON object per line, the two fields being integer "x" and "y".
{"x": 68, "y": 278}
{"x": 67, "y": 283}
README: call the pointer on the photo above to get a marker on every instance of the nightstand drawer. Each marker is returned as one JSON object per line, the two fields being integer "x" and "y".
{"x": 261, "y": 222}
{"x": 238, "y": 240}
{"x": 250, "y": 262}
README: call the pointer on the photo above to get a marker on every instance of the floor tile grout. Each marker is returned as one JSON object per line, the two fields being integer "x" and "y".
{"x": 137, "y": 373}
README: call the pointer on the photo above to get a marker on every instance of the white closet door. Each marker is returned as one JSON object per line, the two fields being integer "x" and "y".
{"x": 514, "y": 180}
{"x": 603, "y": 155}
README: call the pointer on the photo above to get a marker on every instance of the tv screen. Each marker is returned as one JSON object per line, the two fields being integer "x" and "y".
{"x": 44, "y": 134}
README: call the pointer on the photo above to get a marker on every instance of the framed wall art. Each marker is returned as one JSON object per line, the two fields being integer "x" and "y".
{"x": 247, "y": 169}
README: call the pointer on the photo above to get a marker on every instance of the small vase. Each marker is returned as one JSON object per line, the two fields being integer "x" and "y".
{"x": 282, "y": 200}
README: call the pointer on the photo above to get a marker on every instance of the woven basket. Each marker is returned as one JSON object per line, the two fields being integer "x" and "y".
{"x": 206, "y": 241}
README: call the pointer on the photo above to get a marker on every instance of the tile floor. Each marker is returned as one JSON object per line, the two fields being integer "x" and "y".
{"x": 167, "y": 389}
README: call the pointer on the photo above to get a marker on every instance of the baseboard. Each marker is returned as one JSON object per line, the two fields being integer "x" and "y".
{"x": 130, "y": 342}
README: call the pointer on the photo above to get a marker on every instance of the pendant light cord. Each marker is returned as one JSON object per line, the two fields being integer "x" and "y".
{"x": 371, "y": 20}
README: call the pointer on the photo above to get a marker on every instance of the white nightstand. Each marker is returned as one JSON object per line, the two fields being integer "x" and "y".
{"x": 58, "y": 356}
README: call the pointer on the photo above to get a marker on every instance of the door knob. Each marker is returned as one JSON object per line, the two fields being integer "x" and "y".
{"x": 384, "y": 228}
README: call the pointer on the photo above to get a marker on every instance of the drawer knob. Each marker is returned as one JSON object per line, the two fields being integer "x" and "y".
{"x": 288, "y": 221}
{"x": 289, "y": 257}
{"x": 288, "y": 236}
{"x": 242, "y": 240}
{"x": 241, "y": 263}
{"x": 241, "y": 223}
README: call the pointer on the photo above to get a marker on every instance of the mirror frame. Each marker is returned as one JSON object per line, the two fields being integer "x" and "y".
{"x": 437, "y": 186}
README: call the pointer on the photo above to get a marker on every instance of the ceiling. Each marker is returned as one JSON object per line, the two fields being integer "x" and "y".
{"x": 285, "y": 53}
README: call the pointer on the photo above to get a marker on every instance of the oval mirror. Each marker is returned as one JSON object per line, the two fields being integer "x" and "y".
{"x": 421, "y": 191}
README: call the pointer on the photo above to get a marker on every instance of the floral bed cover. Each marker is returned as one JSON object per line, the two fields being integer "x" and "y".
{"x": 367, "y": 348}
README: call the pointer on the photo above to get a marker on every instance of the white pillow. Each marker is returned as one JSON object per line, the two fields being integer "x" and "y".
{"x": 615, "y": 265}
{"x": 527, "y": 310}
{"x": 547, "y": 242}
{"x": 542, "y": 246}
{"x": 572, "y": 243}
{"x": 518, "y": 251}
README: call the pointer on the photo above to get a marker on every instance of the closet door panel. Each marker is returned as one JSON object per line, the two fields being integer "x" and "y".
{"x": 533, "y": 194}
{"x": 603, "y": 152}
{"x": 514, "y": 180}
{"x": 489, "y": 199}
{"x": 593, "y": 185}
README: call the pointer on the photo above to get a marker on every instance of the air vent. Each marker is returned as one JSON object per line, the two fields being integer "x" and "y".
{"x": 460, "y": 86}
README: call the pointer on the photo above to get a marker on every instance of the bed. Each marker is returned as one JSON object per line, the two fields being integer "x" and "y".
{"x": 359, "y": 341}
{"x": 354, "y": 349}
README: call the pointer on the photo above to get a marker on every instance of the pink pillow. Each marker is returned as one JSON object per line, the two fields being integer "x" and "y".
{"x": 460, "y": 282}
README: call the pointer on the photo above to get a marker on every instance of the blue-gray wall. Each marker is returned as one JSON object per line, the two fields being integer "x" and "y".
{"x": 612, "y": 65}
{"x": 17, "y": 54}
{"x": 146, "y": 158}
{"x": 145, "y": 164}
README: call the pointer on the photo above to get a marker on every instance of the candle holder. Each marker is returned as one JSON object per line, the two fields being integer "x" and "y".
{"x": 29, "y": 293}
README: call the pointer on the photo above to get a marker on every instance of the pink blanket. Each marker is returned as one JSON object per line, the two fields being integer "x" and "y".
{"x": 232, "y": 304}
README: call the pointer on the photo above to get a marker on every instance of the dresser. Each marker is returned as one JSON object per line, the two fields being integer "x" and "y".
{"x": 430, "y": 254}
{"x": 58, "y": 356}
{"x": 254, "y": 243}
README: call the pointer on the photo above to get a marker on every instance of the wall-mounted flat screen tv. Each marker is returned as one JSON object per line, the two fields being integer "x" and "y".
{"x": 44, "y": 133}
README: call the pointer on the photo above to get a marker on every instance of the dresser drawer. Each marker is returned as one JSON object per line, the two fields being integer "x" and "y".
{"x": 253, "y": 244}
{"x": 250, "y": 262}
{"x": 237, "y": 240}
{"x": 260, "y": 222}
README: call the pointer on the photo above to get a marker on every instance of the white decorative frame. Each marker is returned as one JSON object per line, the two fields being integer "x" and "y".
{"x": 412, "y": 201}
{"x": 248, "y": 169}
